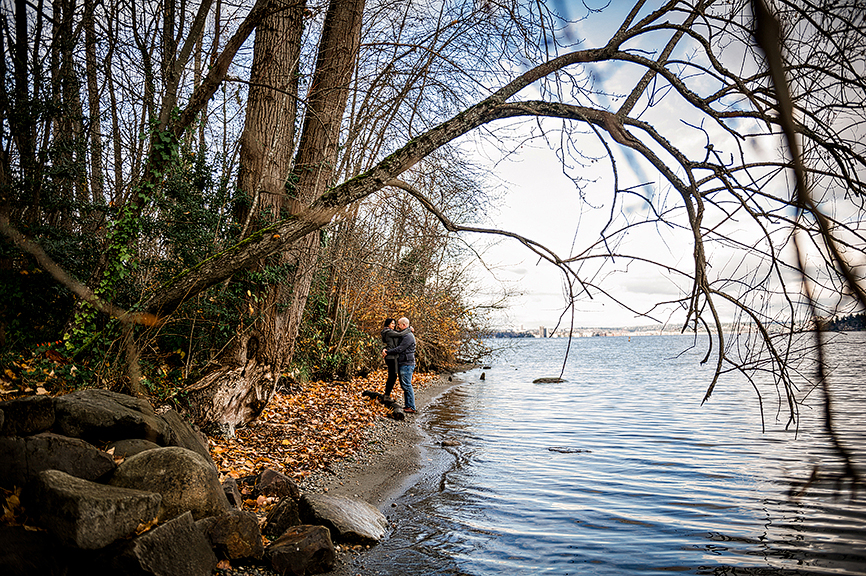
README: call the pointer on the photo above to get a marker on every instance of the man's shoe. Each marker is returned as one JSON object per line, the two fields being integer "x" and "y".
{"x": 409, "y": 410}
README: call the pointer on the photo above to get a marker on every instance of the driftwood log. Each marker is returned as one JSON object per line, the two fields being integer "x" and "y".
{"x": 396, "y": 412}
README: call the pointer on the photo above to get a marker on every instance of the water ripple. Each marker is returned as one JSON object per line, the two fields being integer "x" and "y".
{"x": 644, "y": 479}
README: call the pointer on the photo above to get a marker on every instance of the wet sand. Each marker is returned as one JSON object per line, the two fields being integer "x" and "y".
{"x": 393, "y": 460}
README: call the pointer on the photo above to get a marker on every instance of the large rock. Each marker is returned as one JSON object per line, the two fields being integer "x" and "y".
{"x": 26, "y": 416}
{"x": 176, "y": 548}
{"x": 28, "y": 553}
{"x": 21, "y": 459}
{"x": 103, "y": 416}
{"x": 182, "y": 434}
{"x": 86, "y": 514}
{"x": 48, "y": 451}
{"x": 125, "y": 448}
{"x": 234, "y": 535}
{"x": 186, "y": 481}
{"x": 303, "y": 550}
{"x": 351, "y": 521}
{"x": 281, "y": 517}
{"x": 273, "y": 483}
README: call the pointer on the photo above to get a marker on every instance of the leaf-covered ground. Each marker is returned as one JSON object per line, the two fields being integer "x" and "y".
{"x": 304, "y": 432}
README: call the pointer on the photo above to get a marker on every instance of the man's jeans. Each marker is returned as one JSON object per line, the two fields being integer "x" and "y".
{"x": 406, "y": 384}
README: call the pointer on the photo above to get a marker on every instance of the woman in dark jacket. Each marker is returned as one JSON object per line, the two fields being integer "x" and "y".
{"x": 391, "y": 338}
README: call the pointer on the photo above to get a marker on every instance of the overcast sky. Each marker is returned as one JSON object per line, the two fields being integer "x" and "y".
{"x": 541, "y": 203}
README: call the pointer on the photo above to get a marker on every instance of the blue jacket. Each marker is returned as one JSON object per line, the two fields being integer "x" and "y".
{"x": 405, "y": 350}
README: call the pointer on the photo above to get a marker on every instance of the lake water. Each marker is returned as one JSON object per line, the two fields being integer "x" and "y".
{"x": 643, "y": 479}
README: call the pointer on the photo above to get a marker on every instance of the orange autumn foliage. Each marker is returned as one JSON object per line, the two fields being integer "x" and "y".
{"x": 437, "y": 316}
{"x": 304, "y": 432}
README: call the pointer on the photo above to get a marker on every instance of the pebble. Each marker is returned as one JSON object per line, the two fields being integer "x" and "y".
{"x": 378, "y": 440}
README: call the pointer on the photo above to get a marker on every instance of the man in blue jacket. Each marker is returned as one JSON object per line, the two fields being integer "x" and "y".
{"x": 405, "y": 351}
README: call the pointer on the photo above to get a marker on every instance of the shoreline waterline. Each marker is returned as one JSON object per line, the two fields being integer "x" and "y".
{"x": 398, "y": 456}
{"x": 621, "y": 470}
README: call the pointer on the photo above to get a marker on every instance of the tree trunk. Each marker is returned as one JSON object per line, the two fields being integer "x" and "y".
{"x": 320, "y": 139}
{"x": 240, "y": 387}
{"x": 67, "y": 123}
{"x": 234, "y": 394}
{"x": 97, "y": 179}
{"x": 21, "y": 129}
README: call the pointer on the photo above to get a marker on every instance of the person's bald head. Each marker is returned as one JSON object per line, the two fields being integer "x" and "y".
{"x": 402, "y": 323}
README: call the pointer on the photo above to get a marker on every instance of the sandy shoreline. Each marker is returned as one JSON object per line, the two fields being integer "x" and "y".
{"x": 391, "y": 462}
{"x": 394, "y": 456}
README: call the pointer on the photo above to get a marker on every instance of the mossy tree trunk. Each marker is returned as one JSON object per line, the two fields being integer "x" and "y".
{"x": 239, "y": 388}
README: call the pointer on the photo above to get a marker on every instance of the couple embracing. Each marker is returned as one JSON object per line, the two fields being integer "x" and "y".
{"x": 400, "y": 359}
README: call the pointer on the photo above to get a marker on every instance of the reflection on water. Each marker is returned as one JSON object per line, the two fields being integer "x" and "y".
{"x": 644, "y": 478}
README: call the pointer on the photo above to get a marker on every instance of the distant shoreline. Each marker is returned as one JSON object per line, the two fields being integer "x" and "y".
{"x": 836, "y": 326}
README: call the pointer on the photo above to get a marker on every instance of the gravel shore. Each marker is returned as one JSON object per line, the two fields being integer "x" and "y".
{"x": 385, "y": 467}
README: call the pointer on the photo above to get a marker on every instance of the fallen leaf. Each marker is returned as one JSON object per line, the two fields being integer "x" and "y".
{"x": 307, "y": 430}
{"x": 144, "y": 527}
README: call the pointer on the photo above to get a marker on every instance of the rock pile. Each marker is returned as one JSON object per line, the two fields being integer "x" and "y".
{"x": 98, "y": 483}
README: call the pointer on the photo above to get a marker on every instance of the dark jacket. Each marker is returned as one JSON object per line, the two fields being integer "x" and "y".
{"x": 391, "y": 339}
{"x": 405, "y": 350}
